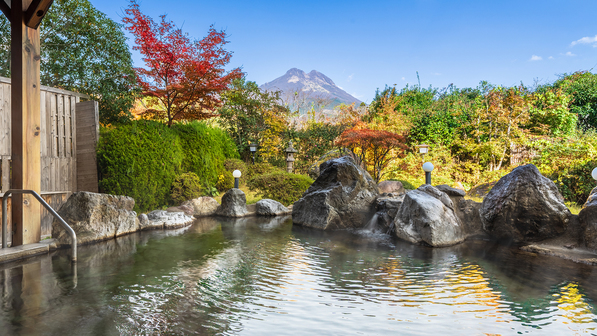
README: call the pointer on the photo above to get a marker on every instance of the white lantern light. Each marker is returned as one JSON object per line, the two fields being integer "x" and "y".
{"x": 594, "y": 174}
{"x": 236, "y": 173}
{"x": 423, "y": 148}
{"x": 428, "y": 167}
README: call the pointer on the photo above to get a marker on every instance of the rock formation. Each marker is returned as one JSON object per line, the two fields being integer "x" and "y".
{"x": 234, "y": 204}
{"x": 427, "y": 215}
{"x": 268, "y": 207}
{"x": 343, "y": 196}
{"x": 95, "y": 217}
{"x": 202, "y": 206}
{"x": 524, "y": 206}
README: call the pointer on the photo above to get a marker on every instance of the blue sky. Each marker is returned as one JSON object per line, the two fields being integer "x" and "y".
{"x": 363, "y": 45}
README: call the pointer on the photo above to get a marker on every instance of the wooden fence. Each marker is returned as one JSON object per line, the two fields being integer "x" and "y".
{"x": 59, "y": 112}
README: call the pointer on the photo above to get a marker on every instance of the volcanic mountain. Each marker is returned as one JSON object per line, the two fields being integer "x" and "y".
{"x": 302, "y": 90}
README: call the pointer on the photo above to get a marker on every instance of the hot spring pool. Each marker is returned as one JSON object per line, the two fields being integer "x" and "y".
{"x": 258, "y": 276}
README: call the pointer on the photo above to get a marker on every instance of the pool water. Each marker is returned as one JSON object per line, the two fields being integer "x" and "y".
{"x": 257, "y": 276}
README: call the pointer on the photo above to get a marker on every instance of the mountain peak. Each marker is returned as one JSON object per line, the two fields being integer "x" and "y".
{"x": 313, "y": 85}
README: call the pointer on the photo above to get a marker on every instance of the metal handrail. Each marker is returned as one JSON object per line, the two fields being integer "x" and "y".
{"x": 69, "y": 230}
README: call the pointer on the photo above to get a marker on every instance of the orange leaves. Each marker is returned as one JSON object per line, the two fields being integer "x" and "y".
{"x": 375, "y": 148}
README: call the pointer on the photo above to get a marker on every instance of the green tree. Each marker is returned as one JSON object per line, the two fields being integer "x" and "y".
{"x": 84, "y": 51}
{"x": 248, "y": 113}
{"x": 582, "y": 87}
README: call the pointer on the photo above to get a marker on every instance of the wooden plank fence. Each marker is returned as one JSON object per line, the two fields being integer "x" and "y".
{"x": 58, "y": 146}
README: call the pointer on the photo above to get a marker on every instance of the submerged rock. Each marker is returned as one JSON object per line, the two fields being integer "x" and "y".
{"x": 268, "y": 207}
{"x": 343, "y": 196}
{"x": 234, "y": 204}
{"x": 203, "y": 206}
{"x": 588, "y": 220}
{"x": 524, "y": 206}
{"x": 95, "y": 217}
{"x": 427, "y": 215}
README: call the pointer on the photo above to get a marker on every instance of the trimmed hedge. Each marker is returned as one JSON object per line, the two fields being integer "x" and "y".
{"x": 186, "y": 186}
{"x": 283, "y": 187}
{"x": 142, "y": 158}
{"x": 205, "y": 150}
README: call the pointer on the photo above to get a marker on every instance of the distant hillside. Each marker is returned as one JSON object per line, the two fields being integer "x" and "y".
{"x": 301, "y": 90}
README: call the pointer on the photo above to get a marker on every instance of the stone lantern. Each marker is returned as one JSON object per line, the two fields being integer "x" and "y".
{"x": 290, "y": 157}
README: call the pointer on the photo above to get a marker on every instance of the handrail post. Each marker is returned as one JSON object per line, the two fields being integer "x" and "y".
{"x": 69, "y": 230}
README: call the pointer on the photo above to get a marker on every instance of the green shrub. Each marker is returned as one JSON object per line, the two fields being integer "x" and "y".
{"x": 262, "y": 169}
{"x": 139, "y": 159}
{"x": 576, "y": 184}
{"x": 205, "y": 150}
{"x": 186, "y": 186}
{"x": 280, "y": 186}
{"x": 225, "y": 181}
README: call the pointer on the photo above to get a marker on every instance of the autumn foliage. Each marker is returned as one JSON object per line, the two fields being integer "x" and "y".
{"x": 375, "y": 148}
{"x": 183, "y": 77}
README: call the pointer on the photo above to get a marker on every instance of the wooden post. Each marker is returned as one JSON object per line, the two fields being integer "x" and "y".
{"x": 25, "y": 125}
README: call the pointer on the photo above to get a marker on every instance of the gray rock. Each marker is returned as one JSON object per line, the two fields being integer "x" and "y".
{"x": 162, "y": 219}
{"x": 394, "y": 187}
{"x": 387, "y": 207}
{"x": 187, "y": 209}
{"x": 524, "y": 206}
{"x": 203, "y": 206}
{"x": 343, "y": 196}
{"x": 95, "y": 217}
{"x": 313, "y": 170}
{"x": 427, "y": 215}
{"x": 451, "y": 191}
{"x": 268, "y": 207}
{"x": 234, "y": 204}
{"x": 588, "y": 219}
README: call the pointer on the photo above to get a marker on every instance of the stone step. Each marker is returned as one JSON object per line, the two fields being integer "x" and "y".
{"x": 25, "y": 251}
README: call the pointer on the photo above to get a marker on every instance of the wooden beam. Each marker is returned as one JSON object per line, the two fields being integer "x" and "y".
{"x": 36, "y": 12}
{"x": 25, "y": 125}
{"x": 5, "y": 8}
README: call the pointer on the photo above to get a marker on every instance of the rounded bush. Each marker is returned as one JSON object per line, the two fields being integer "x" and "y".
{"x": 185, "y": 187}
{"x": 225, "y": 181}
{"x": 281, "y": 186}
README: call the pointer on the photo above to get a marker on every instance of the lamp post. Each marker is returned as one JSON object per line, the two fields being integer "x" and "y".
{"x": 253, "y": 149}
{"x": 423, "y": 149}
{"x": 428, "y": 168}
{"x": 236, "y": 175}
{"x": 290, "y": 157}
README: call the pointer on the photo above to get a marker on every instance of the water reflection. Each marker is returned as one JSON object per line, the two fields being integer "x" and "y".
{"x": 264, "y": 276}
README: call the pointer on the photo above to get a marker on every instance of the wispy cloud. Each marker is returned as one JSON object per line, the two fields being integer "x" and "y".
{"x": 535, "y": 58}
{"x": 349, "y": 78}
{"x": 586, "y": 40}
{"x": 550, "y": 57}
{"x": 403, "y": 78}
{"x": 569, "y": 54}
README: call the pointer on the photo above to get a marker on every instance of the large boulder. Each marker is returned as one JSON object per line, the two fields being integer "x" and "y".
{"x": 343, "y": 196}
{"x": 427, "y": 216}
{"x": 391, "y": 187}
{"x": 268, "y": 207}
{"x": 234, "y": 204}
{"x": 588, "y": 220}
{"x": 314, "y": 169}
{"x": 203, "y": 206}
{"x": 524, "y": 206}
{"x": 95, "y": 217}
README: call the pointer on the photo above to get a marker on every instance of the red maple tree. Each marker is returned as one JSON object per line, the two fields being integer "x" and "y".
{"x": 183, "y": 77}
{"x": 373, "y": 147}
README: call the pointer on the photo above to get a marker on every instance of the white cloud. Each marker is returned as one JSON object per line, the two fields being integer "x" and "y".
{"x": 536, "y": 58}
{"x": 550, "y": 57}
{"x": 586, "y": 40}
{"x": 349, "y": 78}
{"x": 403, "y": 78}
{"x": 569, "y": 54}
